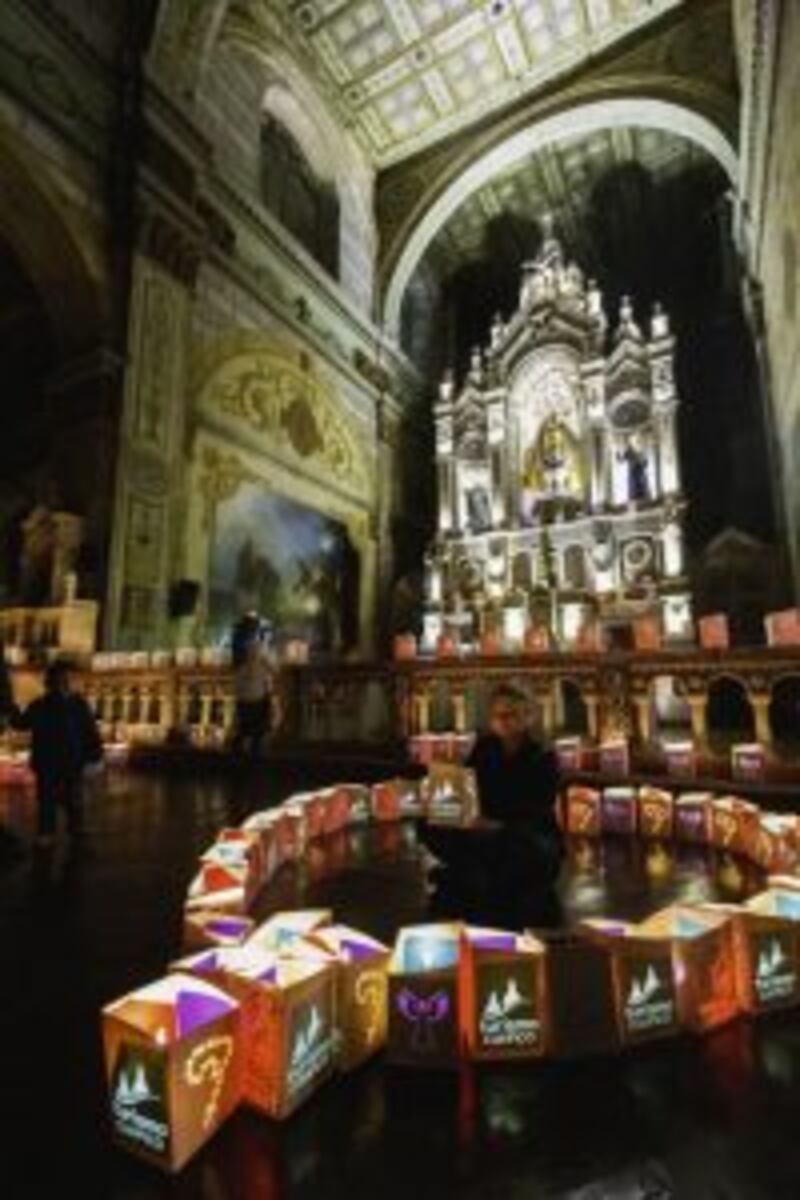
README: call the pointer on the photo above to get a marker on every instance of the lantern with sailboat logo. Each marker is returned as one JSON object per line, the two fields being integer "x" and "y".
{"x": 450, "y": 794}
{"x": 288, "y": 1038}
{"x": 423, "y": 996}
{"x": 645, "y": 999}
{"x": 702, "y": 961}
{"x": 502, "y": 995}
{"x": 767, "y": 956}
{"x": 172, "y": 1055}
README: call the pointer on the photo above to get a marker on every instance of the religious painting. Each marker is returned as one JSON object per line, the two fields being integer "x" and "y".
{"x": 292, "y": 564}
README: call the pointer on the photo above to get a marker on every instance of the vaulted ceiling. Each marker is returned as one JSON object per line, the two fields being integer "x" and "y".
{"x": 405, "y": 74}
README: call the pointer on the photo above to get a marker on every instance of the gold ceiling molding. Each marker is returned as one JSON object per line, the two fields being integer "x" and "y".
{"x": 277, "y": 393}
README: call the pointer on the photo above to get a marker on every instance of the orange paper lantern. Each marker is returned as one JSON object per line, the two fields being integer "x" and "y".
{"x": 656, "y": 813}
{"x": 582, "y": 811}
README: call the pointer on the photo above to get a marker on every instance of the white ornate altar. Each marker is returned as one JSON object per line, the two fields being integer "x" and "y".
{"x": 558, "y": 476}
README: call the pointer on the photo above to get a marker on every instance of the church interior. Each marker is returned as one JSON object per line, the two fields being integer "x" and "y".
{"x": 400, "y": 598}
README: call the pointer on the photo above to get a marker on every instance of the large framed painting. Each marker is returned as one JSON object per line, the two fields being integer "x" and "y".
{"x": 294, "y": 565}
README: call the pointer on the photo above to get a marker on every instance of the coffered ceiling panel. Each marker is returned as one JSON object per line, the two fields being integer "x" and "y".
{"x": 406, "y": 73}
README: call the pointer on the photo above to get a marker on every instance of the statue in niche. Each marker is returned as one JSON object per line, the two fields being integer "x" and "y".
{"x": 638, "y": 484}
{"x": 479, "y": 512}
{"x": 552, "y": 466}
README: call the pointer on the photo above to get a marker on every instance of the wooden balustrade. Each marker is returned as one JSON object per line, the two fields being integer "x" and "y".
{"x": 374, "y": 704}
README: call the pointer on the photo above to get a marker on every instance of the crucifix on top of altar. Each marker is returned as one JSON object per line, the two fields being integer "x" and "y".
{"x": 563, "y": 430}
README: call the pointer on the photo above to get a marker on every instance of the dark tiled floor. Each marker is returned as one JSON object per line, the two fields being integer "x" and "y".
{"x": 696, "y": 1120}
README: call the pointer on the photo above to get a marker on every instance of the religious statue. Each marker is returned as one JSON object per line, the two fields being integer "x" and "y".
{"x": 638, "y": 480}
{"x": 552, "y": 466}
{"x": 479, "y": 513}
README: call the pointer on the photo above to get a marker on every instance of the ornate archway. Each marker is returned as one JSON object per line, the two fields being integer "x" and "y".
{"x": 581, "y": 119}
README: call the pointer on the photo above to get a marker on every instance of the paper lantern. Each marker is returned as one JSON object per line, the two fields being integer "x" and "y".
{"x": 647, "y": 633}
{"x": 446, "y": 646}
{"x": 386, "y": 800}
{"x": 619, "y": 810}
{"x": 693, "y": 817}
{"x": 202, "y": 930}
{"x": 776, "y": 847}
{"x": 288, "y": 1041}
{"x": 15, "y": 771}
{"x": 645, "y": 998}
{"x": 614, "y": 757}
{"x": 423, "y": 996}
{"x": 537, "y": 640}
{"x": 714, "y": 632}
{"x": 749, "y": 761}
{"x": 767, "y": 954}
{"x": 503, "y": 1008}
{"x": 239, "y": 848}
{"x": 296, "y": 651}
{"x": 681, "y": 759}
{"x": 361, "y": 968}
{"x": 582, "y": 811}
{"x": 579, "y": 996}
{"x": 405, "y": 647}
{"x": 703, "y": 964}
{"x": 734, "y": 824}
{"x": 172, "y": 1056}
{"x": 420, "y": 748}
{"x": 490, "y": 645}
{"x": 277, "y": 837}
{"x": 450, "y": 795}
{"x": 337, "y": 803}
{"x": 656, "y": 813}
{"x": 783, "y": 628}
{"x": 572, "y": 754}
{"x": 281, "y": 929}
{"x": 220, "y": 888}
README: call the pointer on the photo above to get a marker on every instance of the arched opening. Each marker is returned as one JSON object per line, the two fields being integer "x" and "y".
{"x": 306, "y": 205}
{"x": 784, "y": 714}
{"x": 572, "y": 715}
{"x": 729, "y": 716}
{"x": 672, "y": 716}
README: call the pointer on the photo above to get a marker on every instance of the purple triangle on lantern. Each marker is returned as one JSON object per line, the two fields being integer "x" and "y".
{"x": 494, "y": 941}
{"x": 357, "y": 951}
{"x": 195, "y": 1009}
{"x": 231, "y": 928}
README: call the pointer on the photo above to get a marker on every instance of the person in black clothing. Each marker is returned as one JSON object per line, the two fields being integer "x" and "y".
{"x": 64, "y": 740}
{"x": 504, "y": 870}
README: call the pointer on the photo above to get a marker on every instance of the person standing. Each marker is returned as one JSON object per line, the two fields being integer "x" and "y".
{"x": 64, "y": 740}
{"x": 252, "y": 681}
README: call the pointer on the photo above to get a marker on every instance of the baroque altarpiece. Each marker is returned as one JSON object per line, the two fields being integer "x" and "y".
{"x": 559, "y": 488}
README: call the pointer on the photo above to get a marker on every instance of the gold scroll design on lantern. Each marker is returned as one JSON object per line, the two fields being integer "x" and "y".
{"x": 289, "y": 405}
{"x": 553, "y": 463}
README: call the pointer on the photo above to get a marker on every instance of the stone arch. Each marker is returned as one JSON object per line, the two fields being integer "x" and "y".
{"x": 784, "y": 708}
{"x": 730, "y": 712}
{"x": 580, "y": 119}
{"x": 33, "y": 225}
{"x": 572, "y": 712}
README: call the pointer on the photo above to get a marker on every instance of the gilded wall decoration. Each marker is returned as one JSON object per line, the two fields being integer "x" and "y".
{"x": 221, "y": 476}
{"x": 280, "y": 399}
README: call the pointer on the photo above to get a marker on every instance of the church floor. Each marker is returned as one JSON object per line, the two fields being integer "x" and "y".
{"x": 715, "y": 1119}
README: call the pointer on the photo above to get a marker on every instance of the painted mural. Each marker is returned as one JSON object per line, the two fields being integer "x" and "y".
{"x": 292, "y": 564}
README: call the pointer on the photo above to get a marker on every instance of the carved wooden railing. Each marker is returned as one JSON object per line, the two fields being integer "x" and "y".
{"x": 371, "y": 704}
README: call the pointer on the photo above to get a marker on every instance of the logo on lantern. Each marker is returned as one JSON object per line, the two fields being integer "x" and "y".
{"x": 775, "y": 977}
{"x": 424, "y": 1014}
{"x": 649, "y": 1004}
{"x": 508, "y": 1019}
{"x": 311, "y": 1049}
{"x": 138, "y": 1098}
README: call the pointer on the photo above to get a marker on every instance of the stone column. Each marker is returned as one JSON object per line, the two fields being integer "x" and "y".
{"x": 497, "y": 427}
{"x": 760, "y": 702}
{"x": 150, "y": 470}
{"x": 698, "y": 707}
{"x": 644, "y": 716}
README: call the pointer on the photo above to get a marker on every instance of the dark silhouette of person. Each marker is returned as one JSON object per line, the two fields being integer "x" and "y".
{"x": 504, "y": 870}
{"x": 64, "y": 740}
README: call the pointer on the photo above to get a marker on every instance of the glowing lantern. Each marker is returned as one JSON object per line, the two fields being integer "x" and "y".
{"x": 572, "y": 755}
{"x": 767, "y": 955}
{"x": 693, "y": 817}
{"x": 734, "y": 824}
{"x": 450, "y": 795}
{"x": 423, "y": 996}
{"x": 681, "y": 759}
{"x": 714, "y": 632}
{"x": 656, "y": 813}
{"x": 405, "y": 647}
{"x": 776, "y": 845}
{"x": 537, "y": 640}
{"x": 287, "y": 1029}
{"x": 645, "y": 998}
{"x": 582, "y": 812}
{"x": 224, "y": 889}
{"x": 579, "y": 996}
{"x": 446, "y": 646}
{"x": 703, "y": 964}
{"x": 490, "y": 645}
{"x": 241, "y": 850}
{"x": 173, "y": 1067}
{"x": 360, "y": 965}
{"x": 619, "y": 810}
{"x": 386, "y": 800}
{"x": 614, "y": 756}
{"x": 202, "y": 930}
{"x": 502, "y": 995}
{"x": 749, "y": 762}
{"x": 280, "y": 930}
